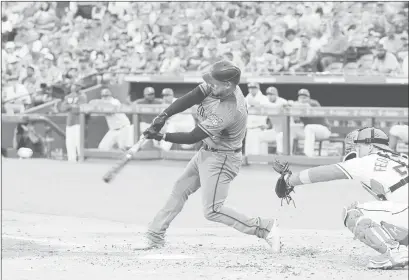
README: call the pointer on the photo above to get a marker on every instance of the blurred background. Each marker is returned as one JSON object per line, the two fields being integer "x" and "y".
{"x": 338, "y": 54}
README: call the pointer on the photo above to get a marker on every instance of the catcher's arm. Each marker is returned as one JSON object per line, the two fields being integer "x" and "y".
{"x": 288, "y": 180}
{"x": 318, "y": 174}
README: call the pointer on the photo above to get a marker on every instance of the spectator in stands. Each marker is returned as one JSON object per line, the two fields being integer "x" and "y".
{"x": 42, "y": 27}
{"x": 194, "y": 61}
{"x": 177, "y": 123}
{"x": 398, "y": 132}
{"x": 227, "y": 32}
{"x": 334, "y": 49}
{"x": 148, "y": 98}
{"x": 210, "y": 56}
{"x": 15, "y": 96}
{"x": 274, "y": 125}
{"x": 72, "y": 131}
{"x": 25, "y": 136}
{"x": 314, "y": 127}
{"x": 98, "y": 11}
{"x": 255, "y": 124}
{"x": 379, "y": 20}
{"x": 309, "y": 21}
{"x": 50, "y": 73}
{"x": 120, "y": 130}
{"x": 171, "y": 63}
{"x": 290, "y": 19}
{"x": 277, "y": 58}
{"x": 31, "y": 81}
{"x": 392, "y": 42}
{"x": 7, "y": 29}
{"x": 292, "y": 49}
{"x": 405, "y": 66}
{"x": 385, "y": 62}
{"x": 41, "y": 96}
{"x": 99, "y": 61}
{"x": 307, "y": 56}
{"x": 9, "y": 54}
{"x": 45, "y": 19}
{"x": 260, "y": 61}
{"x": 404, "y": 50}
{"x": 85, "y": 69}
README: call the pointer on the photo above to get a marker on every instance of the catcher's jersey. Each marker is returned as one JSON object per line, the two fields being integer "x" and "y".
{"x": 384, "y": 175}
{"x": 224, "y": 120}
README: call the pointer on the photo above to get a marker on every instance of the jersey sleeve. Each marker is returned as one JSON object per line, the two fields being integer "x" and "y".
{"x": 217, "y": 121}
{"x": 355, "y": 168}
{"x": 325, "y": 173}
{"x": 205, "y": 88}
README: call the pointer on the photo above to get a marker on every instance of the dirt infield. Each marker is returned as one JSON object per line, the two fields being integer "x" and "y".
{"x": 60, "y": 221}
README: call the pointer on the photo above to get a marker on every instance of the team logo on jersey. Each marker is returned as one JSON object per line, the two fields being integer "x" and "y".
{"x": 215, "y": 120}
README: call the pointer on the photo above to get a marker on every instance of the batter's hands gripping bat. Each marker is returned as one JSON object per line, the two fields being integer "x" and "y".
{"x": 125, "y": 159}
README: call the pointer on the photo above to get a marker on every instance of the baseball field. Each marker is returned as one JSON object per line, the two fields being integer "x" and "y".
{"x": 61, "y": 222}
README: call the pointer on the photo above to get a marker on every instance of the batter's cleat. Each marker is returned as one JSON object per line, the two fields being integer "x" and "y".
{"x": 147, "y": 244}
{"x": 394, "y": 258}
{"x": 273, "y": 238}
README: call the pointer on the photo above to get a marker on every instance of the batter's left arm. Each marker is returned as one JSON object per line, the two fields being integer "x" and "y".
{"x": 194, "y": 97}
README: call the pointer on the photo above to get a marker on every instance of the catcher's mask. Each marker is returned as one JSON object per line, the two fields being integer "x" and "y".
{"x": 350, "y": 155}
{"x": 371, "y": 136}
{"x": 349, "y": 141}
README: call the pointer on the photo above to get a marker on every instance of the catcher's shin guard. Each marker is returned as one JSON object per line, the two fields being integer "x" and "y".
{"x": 367, "y": 231}
{"x": 399, "y": 234}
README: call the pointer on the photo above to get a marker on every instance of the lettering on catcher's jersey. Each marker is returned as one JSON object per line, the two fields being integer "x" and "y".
{"x": 385, "y": 176}
{"x": 381, "y": 164}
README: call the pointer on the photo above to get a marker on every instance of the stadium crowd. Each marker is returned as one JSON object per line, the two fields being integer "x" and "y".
{"x": 56, "y": 41}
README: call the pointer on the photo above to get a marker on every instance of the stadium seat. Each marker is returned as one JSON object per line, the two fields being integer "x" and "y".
{"x": 366, "y": 62}
{"x": 334, "y": 138}
{"x": 351, "y": 68}
{"x": 335, "y": 67}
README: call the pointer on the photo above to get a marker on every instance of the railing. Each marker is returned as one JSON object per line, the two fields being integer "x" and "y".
{"x": 308, "y": 78}
{"x": 33, "y": 118}
{"x": 285, "y": 114}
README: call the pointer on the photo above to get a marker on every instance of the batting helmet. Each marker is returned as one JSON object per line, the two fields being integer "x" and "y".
{"x": 223, "y": 71}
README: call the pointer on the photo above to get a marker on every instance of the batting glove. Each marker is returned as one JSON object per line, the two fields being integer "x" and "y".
{"x": 151, "y": 133}
{"x": 159, "y": 121}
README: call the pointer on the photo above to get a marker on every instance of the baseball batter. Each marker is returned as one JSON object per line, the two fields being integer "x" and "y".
{"x": 222, "y": 114}
{"x": 380, "y": 224}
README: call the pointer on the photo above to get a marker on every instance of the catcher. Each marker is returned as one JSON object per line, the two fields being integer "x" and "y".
{"x": 381, "y": 224}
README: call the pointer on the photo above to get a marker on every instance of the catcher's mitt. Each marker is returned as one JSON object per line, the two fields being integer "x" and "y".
{"x": 283, "y": 188}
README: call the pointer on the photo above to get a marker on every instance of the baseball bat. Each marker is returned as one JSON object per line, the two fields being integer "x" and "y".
{"x": 110, "y": 175}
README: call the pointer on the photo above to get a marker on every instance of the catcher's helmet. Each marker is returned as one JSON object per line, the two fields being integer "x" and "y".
{"x": 350, "y": 146}
{"x": 372, "y": 136}
{"x": 349, "y": 141}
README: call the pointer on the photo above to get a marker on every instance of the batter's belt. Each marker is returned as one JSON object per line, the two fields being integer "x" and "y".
{"x": 210, "y": 149}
